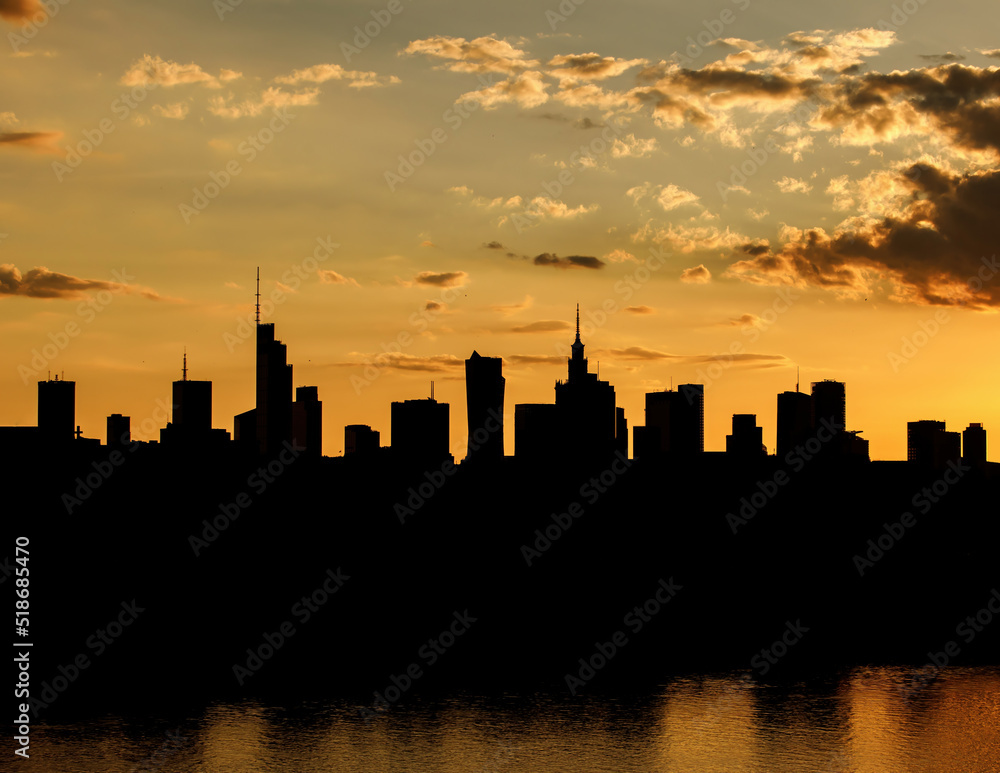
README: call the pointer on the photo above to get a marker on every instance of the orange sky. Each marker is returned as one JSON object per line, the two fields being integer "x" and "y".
{"x": 813, "y": 186}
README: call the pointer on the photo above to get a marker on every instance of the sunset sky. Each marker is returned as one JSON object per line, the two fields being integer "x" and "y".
{"x": 806, "y": 185}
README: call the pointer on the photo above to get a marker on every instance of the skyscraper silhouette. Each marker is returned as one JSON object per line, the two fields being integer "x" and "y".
{"x": 421, "y": 431}
{"x": 829, "y": 402}
{"x": 974, "y": 446}
{"x": 675, "y": 421}
{"x": 747, "y": 440}
{"x": 274, "y": 388}
{"x": 794, "y": 421}
{"x": 57, "y": 410}
{"x": 484, "y": 390}
{"x": 307, "y": 420}
{"x": 586, "y": 408}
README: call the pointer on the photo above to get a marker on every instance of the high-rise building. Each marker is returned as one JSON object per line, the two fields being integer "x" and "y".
{"x": 274, "y": 392}
{"x": 747, "y": 440}
{"x": 273, "y": 412}
{"x": 192, "y": 405}
{"x": 421, "y": 431}
{"x": 974, "y": 446}
{"x": 794, "y": 421}
{"x": 586, "y": 409}
{"x": 119, "y": 431}
{"x": 536, "y": 427}
{"x": 57, "y": 410}
{"x": 621, "y": 432}
{"x": 829, "y": 403}
{"x": 307, "y": 420}
{"x": 920, "y": 440}
{"x": 484, "y": 388}
{"x": 678, "y": 418}
{"x": 360, "y": 440}
{"x": 191, "y": 412}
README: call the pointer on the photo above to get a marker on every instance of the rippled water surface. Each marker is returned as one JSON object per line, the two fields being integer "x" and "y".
{"x": 865, "y": 721}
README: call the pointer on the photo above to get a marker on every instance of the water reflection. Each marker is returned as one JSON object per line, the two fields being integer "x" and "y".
{"x": 874, "y": 720}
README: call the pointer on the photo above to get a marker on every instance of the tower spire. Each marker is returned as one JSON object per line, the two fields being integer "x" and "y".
{"x": 258, "y": 295}
{"x": 578, "y": 323}
{"x": 184, "y": 370}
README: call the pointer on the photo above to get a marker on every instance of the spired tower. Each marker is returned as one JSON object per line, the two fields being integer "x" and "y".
{"x": 587, "y": 419}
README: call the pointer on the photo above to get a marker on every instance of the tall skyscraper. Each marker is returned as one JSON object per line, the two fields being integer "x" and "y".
{"x": 274, "y": 388}
{"x": 57, "y": 410}
{"x": 920, "y": 440}
{"x": 360, "y": 440}
{"x": 192, "y": 405}
{"x": 829, "y": 402}
{"x": 930, "y": 445}
{"x": 484, "y": 388}
{"x": 421, "y": 431}
{"x": 747, "y": 439}
{"x": 974, "y": 446}
{"x": 586, "y": 408}
{"x": 536, "y": 428}
{"x": 794, "y": 421}
{"x": 307, "y": 420}
{"x": 677, "y": 419}
{"x": 119, "y": 430}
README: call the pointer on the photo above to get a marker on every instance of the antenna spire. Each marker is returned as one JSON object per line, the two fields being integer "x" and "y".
{"x": 184, "y": 370}
{"x": 578, "y": 322}
{"x": 258, "y": 295}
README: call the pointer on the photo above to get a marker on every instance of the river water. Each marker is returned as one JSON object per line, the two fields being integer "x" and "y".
{"x": 867, "y": 720}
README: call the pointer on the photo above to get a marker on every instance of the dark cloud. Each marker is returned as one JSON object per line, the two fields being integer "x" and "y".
{"x": 40, "y": 141}
{"x": 943, "y": 58}
{"x": 959, "y": 99}
{"x": 445, "y": 279}
{"x": 590, "y": 67}
{"x": 572, "y": 261}
{"x": 639, "y": 353}
{"x": 437, "y": 363}
{"x": 434, "y": 306}
{"x": 494, "y": 245}
{"x": 20, "y": 10}
{"x": 41, "y": 283}
{"x": 640, "y": 310}
{"x": 938, "y": 248}
{"x": 543, "y": 326}
{"x": 535, "y": 359}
